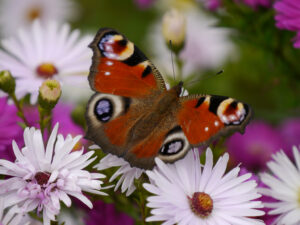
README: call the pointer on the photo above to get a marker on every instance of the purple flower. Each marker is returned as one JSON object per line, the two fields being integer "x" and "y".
{"x": 144, "y": 4}
{"x": 257, "y": 3}
{"x": 288, "y": 17}
{"x": 254, "y": 148}
{"x": 9, "y": 128}
{"x": 106, "y": 214}
{"x": 212, "y": 4}
{"x": 290, "y": 131}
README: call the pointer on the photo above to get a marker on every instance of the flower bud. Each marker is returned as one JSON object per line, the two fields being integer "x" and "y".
{"x": 49, "y": 94}
{"x": 7, "y": 82}
{"x": 174, "y": 29}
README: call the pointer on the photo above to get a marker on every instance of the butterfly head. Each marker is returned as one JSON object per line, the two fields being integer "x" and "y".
{"x": 178, "y": 88}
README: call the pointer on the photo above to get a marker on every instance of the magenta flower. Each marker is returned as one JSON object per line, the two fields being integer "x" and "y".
{"x": 288, "y": 17}
{"x": 107, "y": 214}
{"x": 212, "y": 4}
{"x": 257, "y": 3}
{"x": 144, "y": 4}
{"x": 290, "y": 131}
{"x": 254, "y": 148}
{"x": 9, "y": 129}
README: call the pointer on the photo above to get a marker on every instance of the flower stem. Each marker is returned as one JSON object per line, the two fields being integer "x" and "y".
{"x": 19, "y": 107}
{"x": 179, "y": 64}
{"x": 45, "y": 119}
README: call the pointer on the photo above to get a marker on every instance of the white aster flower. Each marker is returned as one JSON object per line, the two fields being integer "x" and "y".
{"x": 40, "y": 178}
{"x": 15, "y": 14}
{"x": 46, "y": 51}
{"x": 186, "y": 194}
{"x": 127, "y": 172}
{"x": 284, "y": 187}
{"x": 206, "y": 46}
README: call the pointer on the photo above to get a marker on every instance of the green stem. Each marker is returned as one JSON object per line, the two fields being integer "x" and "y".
{"x": 20, "y": 108}
{"x": 45, "y": 120}
{"x": 179, "y": 64}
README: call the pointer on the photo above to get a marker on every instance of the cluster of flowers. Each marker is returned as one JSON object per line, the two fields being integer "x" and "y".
{"x": 52, "y": 167}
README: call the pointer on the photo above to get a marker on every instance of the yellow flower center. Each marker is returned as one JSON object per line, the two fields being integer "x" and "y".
{"x": 201, "y": 204}
{"x": 34, "y": 13}
{"x": 46, "y": 70}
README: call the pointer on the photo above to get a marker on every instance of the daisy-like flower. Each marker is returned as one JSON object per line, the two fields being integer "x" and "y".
{"x": 127, "y": 172}
{"x": 187, "y": 194}
{"x": 283, "y": 185}
{"x": 20, "y": 13}
{"x": 46, "y": 51}
{"x": 40, "y": 178}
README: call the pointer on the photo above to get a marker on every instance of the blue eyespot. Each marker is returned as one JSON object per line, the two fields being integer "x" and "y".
{"x": 103, "y": 110}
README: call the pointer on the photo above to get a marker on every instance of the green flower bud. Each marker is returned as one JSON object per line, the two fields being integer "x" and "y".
{"x": 174, "y": 29}
{"x": 49, "y": 94}
{"x": 7, "y": 82}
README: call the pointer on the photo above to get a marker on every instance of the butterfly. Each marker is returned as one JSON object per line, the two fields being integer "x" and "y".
{"x": 134, "y": 116}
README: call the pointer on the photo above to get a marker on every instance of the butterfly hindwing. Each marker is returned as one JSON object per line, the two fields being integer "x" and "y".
{"x": 204, "y": 118}
{"x": 120, "y": 68}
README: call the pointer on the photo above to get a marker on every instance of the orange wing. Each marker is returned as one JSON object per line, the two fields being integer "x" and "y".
{"x": 204, "y": 118}
{"x": 120, "y": 68}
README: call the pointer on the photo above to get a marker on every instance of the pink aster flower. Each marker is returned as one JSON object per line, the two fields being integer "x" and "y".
{"x": 255, "y": 147}
{"x": 42, "y": 177}
{"x": 283, "y": 185}
{"x": 186, "y": 192}
{"x": 288, "y": 17}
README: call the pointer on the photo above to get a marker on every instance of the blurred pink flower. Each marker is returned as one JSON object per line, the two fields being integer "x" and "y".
{"x": 257, "y": 3}
{"x": 254, "y": 148}
{"x": 288, "y": 17}
{"x": 268, "y": 219}
{"x": 9, "y": 129}
{"x": 107, "y": 214}
{"x": 144, "y": 4}
{"x": 290, "y": 131}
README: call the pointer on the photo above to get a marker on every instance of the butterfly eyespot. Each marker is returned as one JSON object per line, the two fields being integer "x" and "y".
{"x": 105, "y": 107}
{"x": 103, "y": 110}
{"x": 172, "y": 147}
{"x": 175, "y": 145}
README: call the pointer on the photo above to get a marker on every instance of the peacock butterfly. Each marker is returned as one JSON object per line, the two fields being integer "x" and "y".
{"x": 134, "y": 116}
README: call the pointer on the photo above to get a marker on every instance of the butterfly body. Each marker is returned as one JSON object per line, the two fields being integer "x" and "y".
{"x": 134, "y": 116}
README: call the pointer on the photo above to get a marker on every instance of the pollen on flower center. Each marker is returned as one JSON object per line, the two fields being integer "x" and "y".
{"x": 46, "y": 70}
{"x": 34, "y": 13}
{"x": 201, "y": 204}
{"x": 42, "y": 178}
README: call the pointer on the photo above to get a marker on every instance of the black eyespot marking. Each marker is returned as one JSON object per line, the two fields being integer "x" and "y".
{"x": 103, "y": 110}
{"x": 146, "y": 71}
{"x": 127, "y": 102}
{"x": 215, "y": 102}
{"x": 200, "y": 101}
{"x": 175, "y": 129}
{"x": 122, "y": 42}
{"x": 136, "y": 58}
{"x": 172, "y": 147}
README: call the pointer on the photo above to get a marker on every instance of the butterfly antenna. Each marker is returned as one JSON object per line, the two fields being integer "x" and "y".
{"x": 171, "y": 47}
{"x": 204, "y": 78}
